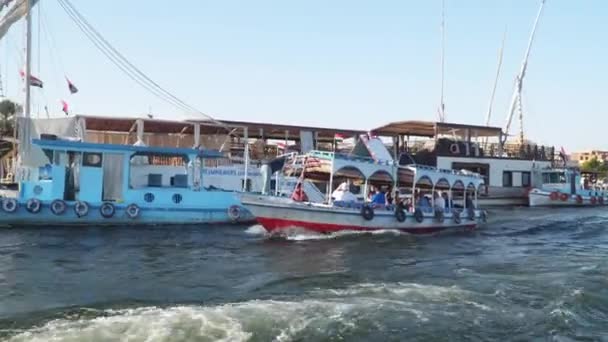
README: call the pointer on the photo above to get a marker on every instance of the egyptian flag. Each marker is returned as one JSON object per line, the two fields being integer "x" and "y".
{"x": 64, "y": 107}
{"x": 71, "y": 87}
{"x": 34, "y": 81}
{"x": 338, "y": 136}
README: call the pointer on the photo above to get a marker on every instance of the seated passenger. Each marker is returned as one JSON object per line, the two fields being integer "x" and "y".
{"x": 342, "y": 193}
{"x": 298, "y": 194}
{"x": 379, "y": 198}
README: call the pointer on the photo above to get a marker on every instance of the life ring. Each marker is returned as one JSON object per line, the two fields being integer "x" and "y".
{"x": 234, "y": 212}
{"x": 400, "y": 214}
{"x": 132, "y": 211}
{"x": 439, "y": 215}
{"x": 418, "y": 215}
{"x": 58, "y": 207}
{"x": 81, "y": 208}
{"x": 593, "y": 200}
{"x": 367, "y": 212}
{"x": 9, "y": 205}
{"x": 579, "y": 199}
{"x": 107, "y": 210}
{"x": 33, "y": 205}
{"x": 454, "y": 148}
{"x": 563, "y": 197}
{"x": 554, "y": 196}
{"x": 471, "y": 214}
{"x": 456, "y": 216}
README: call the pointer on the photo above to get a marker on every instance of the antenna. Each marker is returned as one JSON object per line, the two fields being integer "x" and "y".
{"x": 500, "y": 55}
{"x": 516, "y": 100}
{"x": 441, "y": 110}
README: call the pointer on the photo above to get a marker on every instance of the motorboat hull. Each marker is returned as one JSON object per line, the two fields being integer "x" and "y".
{"x": 280, "y": 214}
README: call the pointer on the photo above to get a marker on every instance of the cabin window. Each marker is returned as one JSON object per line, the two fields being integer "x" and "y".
{"x": 554, "y": 178}
{"x": 507, "y": 179}
{"x": 91, "y": 159}
{"x": 525, "y": 179}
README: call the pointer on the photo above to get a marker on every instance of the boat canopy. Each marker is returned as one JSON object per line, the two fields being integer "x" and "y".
{"x": 432, "y": 129}
{"x": 65, "y": 145}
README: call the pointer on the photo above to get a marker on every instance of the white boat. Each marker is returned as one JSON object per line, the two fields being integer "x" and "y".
{"x": 281, "y": 214}
{"x": 566, "y": 187}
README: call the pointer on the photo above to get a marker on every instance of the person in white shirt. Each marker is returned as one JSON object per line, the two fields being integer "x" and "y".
{"x": 342, "y": 193}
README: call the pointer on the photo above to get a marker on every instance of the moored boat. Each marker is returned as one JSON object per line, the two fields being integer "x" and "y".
{"x": 81, "y": 183}
{"x": 406, "y": 213}
{"x": 566, "y": 187}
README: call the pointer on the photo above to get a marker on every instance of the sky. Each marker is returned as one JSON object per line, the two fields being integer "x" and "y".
{"x": 348, "y": 64}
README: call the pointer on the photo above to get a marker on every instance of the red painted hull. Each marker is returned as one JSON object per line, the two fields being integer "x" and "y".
{"x": 274, "y": 225}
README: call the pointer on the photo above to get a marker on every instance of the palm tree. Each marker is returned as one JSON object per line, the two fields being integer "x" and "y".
{"x": 8, "y": 110}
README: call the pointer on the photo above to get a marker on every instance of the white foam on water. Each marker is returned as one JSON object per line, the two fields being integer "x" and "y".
{"x": 300, "y": 234}
{"x": 266, "y": 320}
{"x": 256, "y": 230}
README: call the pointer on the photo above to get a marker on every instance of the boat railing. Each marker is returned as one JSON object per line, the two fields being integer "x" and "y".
{"x": 444, "y": 171}
{"x": 349, "y": 157}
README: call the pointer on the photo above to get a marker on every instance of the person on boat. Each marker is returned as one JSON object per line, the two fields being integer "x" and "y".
{"x": 438, "y": 203}
{"x": 298, "y": 194}
{"x": 423, "y": 202}
{"x": 389, "y": 197}
{"x": 371, "y": 193}
{"x": 342, "y": 193}
{"x": 447, "y": 202}
{"x": 379, "y": 198}
{"x": 468, "y": 201}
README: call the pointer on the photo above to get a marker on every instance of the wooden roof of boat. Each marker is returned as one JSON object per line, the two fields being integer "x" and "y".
{"x": 255, "y": 129}
{"x": 431, "y": 129}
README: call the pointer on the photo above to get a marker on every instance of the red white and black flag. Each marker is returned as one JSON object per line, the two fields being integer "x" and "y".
{"x": 71, "y": 87}
{"x": 34, "y": 81}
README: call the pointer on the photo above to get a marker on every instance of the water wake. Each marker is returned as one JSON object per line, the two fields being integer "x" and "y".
{"x": 354, "y": 311}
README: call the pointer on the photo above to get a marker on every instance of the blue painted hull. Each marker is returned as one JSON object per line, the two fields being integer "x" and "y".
{"x": 149, "y": 215}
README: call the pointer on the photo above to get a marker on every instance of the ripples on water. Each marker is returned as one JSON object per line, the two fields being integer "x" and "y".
{"x": 529, "y": 274}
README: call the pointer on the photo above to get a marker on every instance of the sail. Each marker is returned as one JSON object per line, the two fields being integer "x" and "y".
{"x": 13, "y": 15}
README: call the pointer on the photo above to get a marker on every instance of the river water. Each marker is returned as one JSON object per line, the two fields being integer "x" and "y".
{"x": 527, "y": 275}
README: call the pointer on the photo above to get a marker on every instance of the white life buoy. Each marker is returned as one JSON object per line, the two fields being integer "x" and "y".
{"x": 132, "y": 211}
{"x": 81, "y": 208}
{"x": 58, "y": 207}
{"x": 33, "y": 205}
{"x": 9, "y": 205}
{"x": 234, "y": 212}
{"x": 454, "y": 148}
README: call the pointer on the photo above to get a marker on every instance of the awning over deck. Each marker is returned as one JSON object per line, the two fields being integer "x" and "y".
{"x": 431, "y": 129}
{"x": 257, "y": 130}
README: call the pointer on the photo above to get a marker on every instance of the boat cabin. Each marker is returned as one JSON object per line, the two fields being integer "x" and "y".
{"x": 506, "y": 167}
{"x": 95, "y": 173}
{"x": 570, "y": 181}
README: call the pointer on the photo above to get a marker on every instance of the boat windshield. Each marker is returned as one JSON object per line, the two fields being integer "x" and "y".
{"x": 554, "y": 177}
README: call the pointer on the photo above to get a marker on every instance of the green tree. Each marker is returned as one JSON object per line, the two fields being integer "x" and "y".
{"x": 8, "y": 110}
{"x": 594, "y": 165}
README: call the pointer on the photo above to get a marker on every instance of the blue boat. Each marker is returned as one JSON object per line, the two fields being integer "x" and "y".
{"x": 93, "y": 184}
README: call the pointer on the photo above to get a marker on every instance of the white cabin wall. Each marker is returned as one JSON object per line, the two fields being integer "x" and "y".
{"x": 497, "y": 166}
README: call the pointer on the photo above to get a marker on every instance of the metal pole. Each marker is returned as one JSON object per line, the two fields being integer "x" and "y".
{"x": 246, "y": 139}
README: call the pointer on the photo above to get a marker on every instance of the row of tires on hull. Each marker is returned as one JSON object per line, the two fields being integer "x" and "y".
{"x": 59, "y": 207}
{"x": 367, "y": 212}
{"x": 554, "y": 196}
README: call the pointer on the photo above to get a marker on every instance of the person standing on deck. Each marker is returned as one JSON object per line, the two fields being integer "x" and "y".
{"x": 298, "y": 194}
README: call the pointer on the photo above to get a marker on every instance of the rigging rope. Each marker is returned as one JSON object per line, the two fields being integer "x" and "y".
{"x": 127, "y": 67}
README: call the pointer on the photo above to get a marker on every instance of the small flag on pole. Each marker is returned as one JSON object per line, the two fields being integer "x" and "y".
{"x": 71, "y": 87}
{"x": 34, "y": 81}
{"x": 339, "y": 136}
{"x": 64, "y": 107}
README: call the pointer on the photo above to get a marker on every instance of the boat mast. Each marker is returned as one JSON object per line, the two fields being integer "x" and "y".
{"x": 500, "y": 55}
{"x": 27, "y": 71}
{"x": 516, "y": 100}
{"x": 441, "y": 111}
